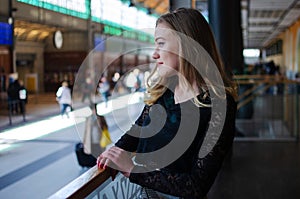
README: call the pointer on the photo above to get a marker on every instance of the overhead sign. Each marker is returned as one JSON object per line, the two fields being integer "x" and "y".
{"x": 6, "y": 37}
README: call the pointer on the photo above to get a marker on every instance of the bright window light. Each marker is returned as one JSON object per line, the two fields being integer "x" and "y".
{"x": 251, "y": 52}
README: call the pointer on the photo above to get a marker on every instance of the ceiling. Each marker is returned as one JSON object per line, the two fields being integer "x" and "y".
{"x": 262, "y": 20}
{"x": 28, "y": 31}
{"x": 157, "y": 6}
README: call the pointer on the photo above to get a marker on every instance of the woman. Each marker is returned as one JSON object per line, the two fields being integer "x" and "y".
{"x": 187, "y": 125}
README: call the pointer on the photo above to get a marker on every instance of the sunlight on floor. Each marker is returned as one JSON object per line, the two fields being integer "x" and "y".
{"x": 52, "y": 124}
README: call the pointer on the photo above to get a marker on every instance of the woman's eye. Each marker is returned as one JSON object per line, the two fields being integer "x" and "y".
{"x": 160, "y": 43}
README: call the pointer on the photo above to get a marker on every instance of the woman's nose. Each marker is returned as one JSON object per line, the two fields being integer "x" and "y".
{"x": 155, "y": 55}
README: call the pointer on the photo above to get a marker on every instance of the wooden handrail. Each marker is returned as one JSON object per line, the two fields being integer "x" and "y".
{"x": 246, "y": 79}
{"x": 84, "y": 185}
{"x": 97, "y": 184}
{"x": 256, "y": 81}
{"x": 251, "y": 97}
{"x": 247, "y": 92}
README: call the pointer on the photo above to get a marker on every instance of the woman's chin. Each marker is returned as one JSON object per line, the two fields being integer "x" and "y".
{"x": 166, "y": 72}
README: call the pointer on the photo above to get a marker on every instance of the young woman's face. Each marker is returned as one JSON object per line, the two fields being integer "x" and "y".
{"x": 166, "y": 51}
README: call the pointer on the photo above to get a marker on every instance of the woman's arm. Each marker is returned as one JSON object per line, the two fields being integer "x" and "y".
{"x": 194, "y": 184}
{"x": 129, "y": 142}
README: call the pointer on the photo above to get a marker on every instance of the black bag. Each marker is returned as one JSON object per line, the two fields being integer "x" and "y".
{"x": 84, "y": 160}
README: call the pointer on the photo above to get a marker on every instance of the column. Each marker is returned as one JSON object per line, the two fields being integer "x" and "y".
{"x": 174, "y": 4}
{"x": 225, "y": 20}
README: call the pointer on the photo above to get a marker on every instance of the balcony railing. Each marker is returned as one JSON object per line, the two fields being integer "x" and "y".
{"x": 268, "y": 109}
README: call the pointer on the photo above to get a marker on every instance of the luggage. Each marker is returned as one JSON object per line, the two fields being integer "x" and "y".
{"x": 84, "y": 160}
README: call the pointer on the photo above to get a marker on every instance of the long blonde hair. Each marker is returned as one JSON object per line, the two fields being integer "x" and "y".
{"x": 195, "y": 37}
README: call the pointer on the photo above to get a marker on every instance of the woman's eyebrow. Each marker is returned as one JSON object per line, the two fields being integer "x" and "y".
{"x": 157, "y": 38}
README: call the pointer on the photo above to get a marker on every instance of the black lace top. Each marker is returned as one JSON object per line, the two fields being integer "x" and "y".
{"x": 167, "y": 138}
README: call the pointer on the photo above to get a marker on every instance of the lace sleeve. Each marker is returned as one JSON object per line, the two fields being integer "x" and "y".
{"x": 129, "y": 142}
{"x": 194, "y": 184}
{"x": 197, "y": 182}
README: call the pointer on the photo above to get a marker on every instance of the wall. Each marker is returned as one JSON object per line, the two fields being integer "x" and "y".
{"x": 38, "y": 66}
{"x": 4, "y": 10}
{"x": 72, "y": 41}
{"x": 43, "y": 16}
{"x": 291, "y": 49}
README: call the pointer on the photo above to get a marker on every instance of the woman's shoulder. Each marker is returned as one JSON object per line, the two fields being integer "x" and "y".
{"x": 166, "y": 98}
{"x": 230, "y": 99}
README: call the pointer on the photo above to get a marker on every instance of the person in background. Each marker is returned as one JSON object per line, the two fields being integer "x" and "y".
{"x": 2, "y": 80}
{"x": 297, "y": 79}
{"x": 13, "y": 95}
{"x": 103, "y": 89}
{"x": 63, "y": 96}
{"x": 92, "y": 133}
{"x": 87, "y": 88}
{"x": 23, "y": 97}
{"x": 187, "y": 125}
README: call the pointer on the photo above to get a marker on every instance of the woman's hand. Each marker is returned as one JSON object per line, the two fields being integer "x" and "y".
{"x": 116, "y": 157}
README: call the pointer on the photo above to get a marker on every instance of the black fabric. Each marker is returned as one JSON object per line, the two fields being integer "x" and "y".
{"x": 84, "y": 160}
{"x": 189, "y": 176}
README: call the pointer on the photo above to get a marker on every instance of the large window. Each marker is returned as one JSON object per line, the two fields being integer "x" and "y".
{"x": 115, "y": 14}
{"x": 76, "y": 8}
{"x": 275, "y": 48}
{"x": 111, "y": 11}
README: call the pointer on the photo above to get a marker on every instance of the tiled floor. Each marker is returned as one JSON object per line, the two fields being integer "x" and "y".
{"x": 38, "y": 157}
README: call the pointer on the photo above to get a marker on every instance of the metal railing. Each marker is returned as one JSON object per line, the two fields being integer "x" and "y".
{"x": 268, "y": 107}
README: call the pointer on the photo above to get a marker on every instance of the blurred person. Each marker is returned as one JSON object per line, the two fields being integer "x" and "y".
{"x": 95, "y": 125}
{"x": 13, "y": 95}
{"x": 2, "y": 80}
{"x": 193, "y": 129}
{"x": 297, "y": 79}
{"x": 103, "y": 89}
{"x": 117, "y": 87}
{"x": 131, "y": 82}
{"x": 63, "y": 96}
{"x": 87, "y": 89}
{"x": 23, "y": 97}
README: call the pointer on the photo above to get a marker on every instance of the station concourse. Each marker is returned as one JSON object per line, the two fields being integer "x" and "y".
{"x": 43, "y": 43}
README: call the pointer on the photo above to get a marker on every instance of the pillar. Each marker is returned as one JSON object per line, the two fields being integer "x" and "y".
{"x": 225, "y": 21}
{"x": 174, "y": 4}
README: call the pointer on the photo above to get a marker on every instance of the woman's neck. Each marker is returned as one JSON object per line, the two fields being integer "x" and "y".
{"x": 184, "y": 92}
